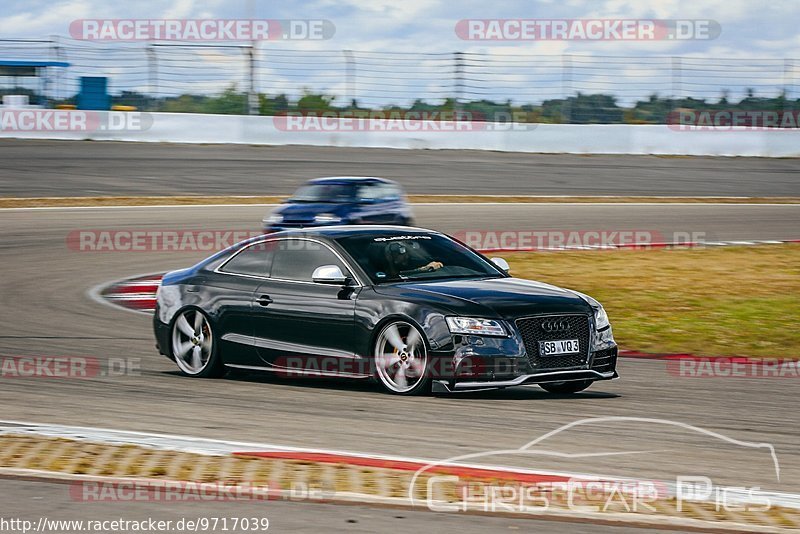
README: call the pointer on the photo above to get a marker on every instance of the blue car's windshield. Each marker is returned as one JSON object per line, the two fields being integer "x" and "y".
{"x": 337, "y": 193}
{"x": 415, "y": 257}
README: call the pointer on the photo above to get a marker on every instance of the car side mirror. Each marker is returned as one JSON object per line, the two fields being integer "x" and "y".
{"x": 329, "y": 274}
{"x": 503, "y": 264}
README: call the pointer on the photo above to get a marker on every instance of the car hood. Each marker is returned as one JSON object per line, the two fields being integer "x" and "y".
{"x": 305, "y": 211}
{"x": 506, "y": 298}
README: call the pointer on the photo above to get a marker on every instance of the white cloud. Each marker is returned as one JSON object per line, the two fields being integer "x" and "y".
{"x": 179, "y": 9}
{"x": 44, "y": 22}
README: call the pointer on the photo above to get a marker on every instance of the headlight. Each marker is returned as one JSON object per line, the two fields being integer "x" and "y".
{"x": 472, "y": 325}
{"x": 601, "y": 318}
{"x": 274, "y": 218}
{"x": 327, "y": 218}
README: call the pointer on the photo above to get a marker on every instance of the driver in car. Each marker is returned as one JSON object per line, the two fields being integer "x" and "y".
{"x": 400, "y": 261}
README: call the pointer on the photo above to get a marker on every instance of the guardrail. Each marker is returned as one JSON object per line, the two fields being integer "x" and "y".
{"x": 400, "y": 134}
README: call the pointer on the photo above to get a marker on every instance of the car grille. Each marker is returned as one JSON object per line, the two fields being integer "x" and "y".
{"x": 532, "y": 333}
{"x": 605, "y": 361}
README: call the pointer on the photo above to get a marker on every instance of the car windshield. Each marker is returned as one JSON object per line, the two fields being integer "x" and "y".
{"x": 337, "y": 193}
{"x": 415, "y": 257}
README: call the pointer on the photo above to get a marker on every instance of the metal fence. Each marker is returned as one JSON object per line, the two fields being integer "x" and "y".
{"x": 379, "y": 79}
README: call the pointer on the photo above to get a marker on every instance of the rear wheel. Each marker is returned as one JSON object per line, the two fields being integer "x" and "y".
{"x": 193, "y": 346}
{"x": 573, "y": 386}
{"x": 401, "y": 359}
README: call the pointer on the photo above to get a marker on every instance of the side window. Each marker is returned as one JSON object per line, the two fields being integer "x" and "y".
{"x": 368, "y": 192}
{"x": 390, "y": 192}
{"x": 254, "y": 260}
{"x": 296, "y": 259}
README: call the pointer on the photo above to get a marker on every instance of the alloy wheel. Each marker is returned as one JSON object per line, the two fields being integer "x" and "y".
{"x": 192, "y": 342}
{"x": 401, "y": 358}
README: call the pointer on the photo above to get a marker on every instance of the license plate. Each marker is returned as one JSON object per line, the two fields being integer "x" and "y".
{"x": 563, "y": 346}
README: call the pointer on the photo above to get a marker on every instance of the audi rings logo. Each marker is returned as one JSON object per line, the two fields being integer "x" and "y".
{"x": 555, "y": 325}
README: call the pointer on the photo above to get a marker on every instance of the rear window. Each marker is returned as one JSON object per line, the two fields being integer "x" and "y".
{"x": 297, "y": 259}
{"x": 254, "y": 260}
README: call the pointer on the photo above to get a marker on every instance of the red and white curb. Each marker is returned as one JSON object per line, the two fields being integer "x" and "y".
{"x": 136, "y": 294}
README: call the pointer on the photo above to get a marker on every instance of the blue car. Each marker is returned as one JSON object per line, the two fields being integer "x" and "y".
{"x": 342, "y": 200}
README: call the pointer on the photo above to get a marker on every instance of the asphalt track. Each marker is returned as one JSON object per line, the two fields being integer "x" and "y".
{"x": 47, "y": 312}
{"x": 87, "y": 168}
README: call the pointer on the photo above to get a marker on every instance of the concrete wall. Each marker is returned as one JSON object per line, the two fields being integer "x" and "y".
{"x": 542, "y": 138}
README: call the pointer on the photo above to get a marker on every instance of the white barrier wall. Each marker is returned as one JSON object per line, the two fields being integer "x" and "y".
{"x": 539, "y": 138}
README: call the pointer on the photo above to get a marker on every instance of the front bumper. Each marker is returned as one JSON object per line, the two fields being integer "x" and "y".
{"x": 444, "y": 386}
{"x": 500, "y": 362}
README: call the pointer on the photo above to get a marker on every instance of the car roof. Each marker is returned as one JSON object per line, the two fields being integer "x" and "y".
{"x": 349, "y": 180}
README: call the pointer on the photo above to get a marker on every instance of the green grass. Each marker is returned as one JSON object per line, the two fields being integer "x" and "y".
{"x": 712, "y": 301}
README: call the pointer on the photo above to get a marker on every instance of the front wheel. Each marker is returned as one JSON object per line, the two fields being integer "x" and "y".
{"x": 573, "y": 386}
{"x": 401, "y": 359}
{"x": 193, "y": 347}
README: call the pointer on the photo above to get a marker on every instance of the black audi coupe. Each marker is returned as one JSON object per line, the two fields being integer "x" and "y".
{"x": 413, "y": 309}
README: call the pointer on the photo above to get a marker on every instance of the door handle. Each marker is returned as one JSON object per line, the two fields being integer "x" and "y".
{"x": 264, "y": 300}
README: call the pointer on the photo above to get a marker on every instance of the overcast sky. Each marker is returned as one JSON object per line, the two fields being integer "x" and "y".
{"x": 751, "y": 29}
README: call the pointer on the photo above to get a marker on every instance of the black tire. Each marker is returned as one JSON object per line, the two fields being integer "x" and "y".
{"x": 191, "y": 330}
{"x": 573, "y": 386}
